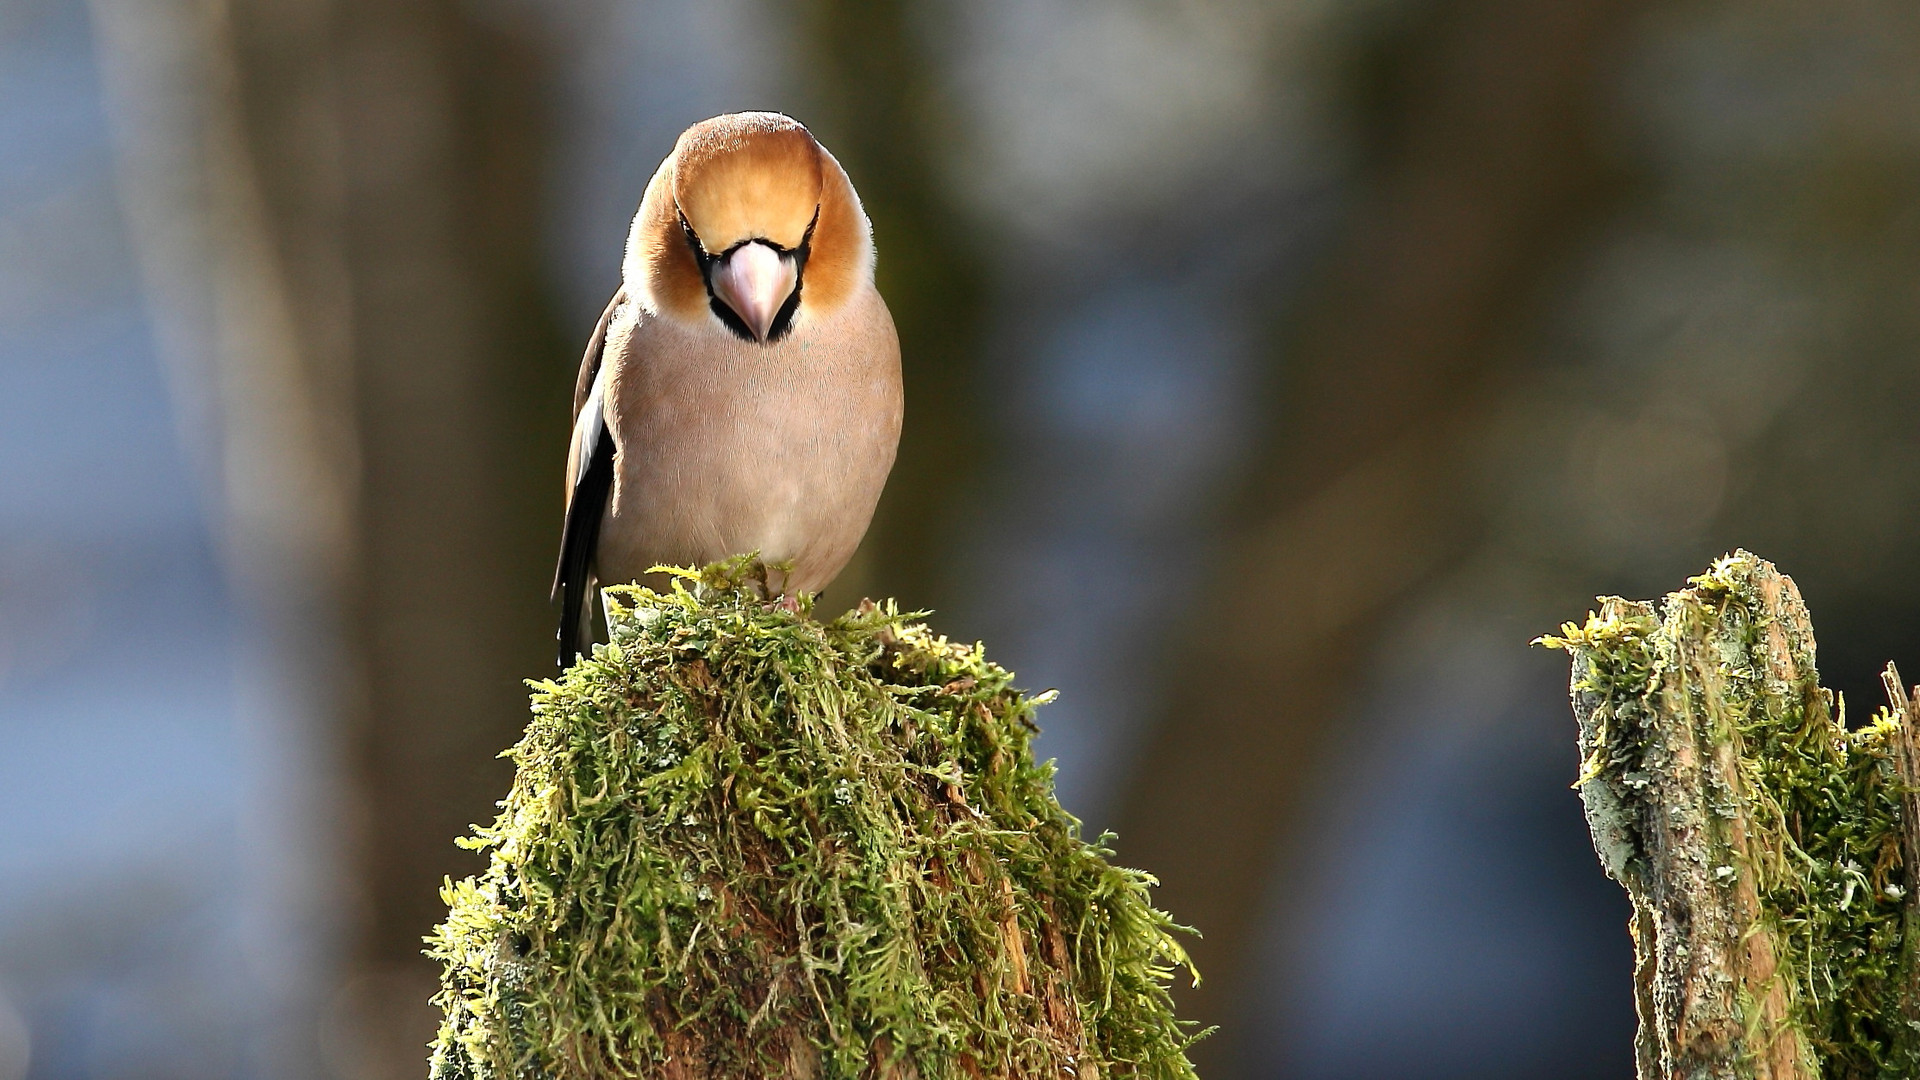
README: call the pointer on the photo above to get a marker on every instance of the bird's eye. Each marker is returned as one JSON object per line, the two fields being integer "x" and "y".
{"x": 694, "y": 245}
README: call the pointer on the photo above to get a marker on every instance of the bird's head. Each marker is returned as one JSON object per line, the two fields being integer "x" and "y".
{"x": 750, "y": 226}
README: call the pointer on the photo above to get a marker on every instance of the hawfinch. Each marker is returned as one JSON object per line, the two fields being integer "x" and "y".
{"x": 742, "y": 391}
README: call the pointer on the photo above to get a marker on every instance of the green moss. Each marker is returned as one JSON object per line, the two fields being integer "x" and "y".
{"x": 744, "y": 843}
{"x": 1822, "y": 803}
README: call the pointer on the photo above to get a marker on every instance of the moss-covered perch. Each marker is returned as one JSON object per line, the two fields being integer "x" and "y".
{"x": 743, "y": 843}
{"x": 1769, "y": 852}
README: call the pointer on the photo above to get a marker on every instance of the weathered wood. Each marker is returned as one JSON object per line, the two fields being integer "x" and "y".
{"x": 1664, "y": 834}
{"x": 1770, "y": 854}
{"x": 1905, "y": 705}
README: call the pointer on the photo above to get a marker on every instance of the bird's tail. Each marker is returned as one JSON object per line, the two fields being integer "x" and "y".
{"x": 573, "y": 579}
{"x": 576, "y": 620}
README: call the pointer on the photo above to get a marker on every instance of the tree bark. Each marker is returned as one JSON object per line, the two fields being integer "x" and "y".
{"x": 1768, "y": 851}
{"x": 1906, "y": 764}
{"x": 1701, "y": 980}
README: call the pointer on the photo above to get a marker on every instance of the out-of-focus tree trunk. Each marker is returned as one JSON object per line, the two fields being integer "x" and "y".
{"x": 231, "y": 194}
{"x": 868, "y": 87}
{"x": 461, "y": 384}
{"x": 393, "y": 400}
{"x": 1365, "y": 493}
{"x": 1724, "y": 791}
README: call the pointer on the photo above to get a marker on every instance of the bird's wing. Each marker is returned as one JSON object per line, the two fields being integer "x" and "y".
{"x": 590, "y": 363}
{"x": 589, "y": 479}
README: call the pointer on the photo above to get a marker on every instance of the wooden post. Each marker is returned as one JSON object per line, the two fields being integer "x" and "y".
{"x": 1904, "y": 703}
{"x": 1770, "y": 853}
{"x": 745, "y": 843}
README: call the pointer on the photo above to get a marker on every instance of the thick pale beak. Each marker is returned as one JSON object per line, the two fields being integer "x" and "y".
{"x": 754, "y": 281}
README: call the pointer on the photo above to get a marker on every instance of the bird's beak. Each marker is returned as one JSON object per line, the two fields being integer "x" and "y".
{"x": 754, "y": 280}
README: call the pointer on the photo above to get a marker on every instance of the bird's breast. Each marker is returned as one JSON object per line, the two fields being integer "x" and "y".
{"x": 727, "y": 446}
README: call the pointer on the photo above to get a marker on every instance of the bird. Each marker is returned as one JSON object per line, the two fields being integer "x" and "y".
{"x": 742, "y": 391}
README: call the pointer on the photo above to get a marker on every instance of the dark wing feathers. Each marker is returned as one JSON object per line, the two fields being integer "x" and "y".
{"x": 592, "y": 480}
{"x": 590, "y": 363}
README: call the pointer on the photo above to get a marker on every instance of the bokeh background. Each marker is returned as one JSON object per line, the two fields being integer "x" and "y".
{"x": 1276, "y": 370}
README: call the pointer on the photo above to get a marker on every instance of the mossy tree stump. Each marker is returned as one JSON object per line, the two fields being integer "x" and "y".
{"x": 743, "y": 843}
{"x": 1769, "y": 852}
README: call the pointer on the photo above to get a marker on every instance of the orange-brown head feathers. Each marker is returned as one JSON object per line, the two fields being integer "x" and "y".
{"x": 747, "y": 176}
{"x": 751, "y": 223}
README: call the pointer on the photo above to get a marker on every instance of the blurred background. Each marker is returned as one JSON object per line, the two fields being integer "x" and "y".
{"x": 1276, "y": 370}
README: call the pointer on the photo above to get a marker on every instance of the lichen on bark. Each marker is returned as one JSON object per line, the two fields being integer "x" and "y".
{"x": 743, "y": 843}
{"x": 1762, "y": 843}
